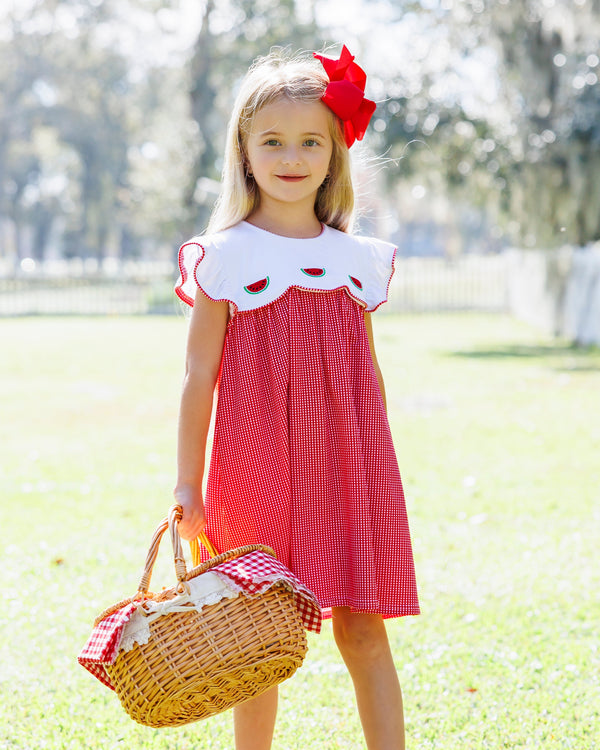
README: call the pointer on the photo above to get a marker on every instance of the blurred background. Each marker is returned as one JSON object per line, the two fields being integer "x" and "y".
{"x": 482, "y": 161}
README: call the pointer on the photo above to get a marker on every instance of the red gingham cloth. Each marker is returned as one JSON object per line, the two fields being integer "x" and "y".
{"x": 103, "y": 644}
{"x": 257, "y": 572}
{"x": 253, "y": 573}
{"x": 303, "y": 458}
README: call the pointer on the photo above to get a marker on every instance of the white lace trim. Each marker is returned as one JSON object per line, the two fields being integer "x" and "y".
{"x": 205, "y": 589}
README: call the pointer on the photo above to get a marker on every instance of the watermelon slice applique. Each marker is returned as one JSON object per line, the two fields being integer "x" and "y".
{"x": 257, "y": 287}
{"x": 356, "y": 282}
{"x": 313, "y": 271}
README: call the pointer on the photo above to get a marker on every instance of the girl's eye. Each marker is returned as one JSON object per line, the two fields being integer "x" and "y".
{"x": 272, "y": 142}
{"x": 311, "y": 142}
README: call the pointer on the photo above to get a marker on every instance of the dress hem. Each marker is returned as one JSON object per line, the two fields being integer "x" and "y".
{"x": 388, "y": 615}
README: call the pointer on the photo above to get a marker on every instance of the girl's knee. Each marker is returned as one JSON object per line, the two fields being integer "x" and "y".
{"x": 359, "y": 634}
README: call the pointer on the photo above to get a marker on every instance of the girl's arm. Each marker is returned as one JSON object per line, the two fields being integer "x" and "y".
{"x": 369, "y": 327}
{"x": 203, "y": 359}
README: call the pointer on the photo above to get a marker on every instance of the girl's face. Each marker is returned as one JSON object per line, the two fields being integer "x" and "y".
{"x": 289, "y": 150}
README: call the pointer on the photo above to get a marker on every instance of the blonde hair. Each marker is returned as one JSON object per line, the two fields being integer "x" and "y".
{"x": 271, "y": 78}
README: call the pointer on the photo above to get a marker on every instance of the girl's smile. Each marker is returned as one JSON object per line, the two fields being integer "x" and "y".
{"x": 289, "y": 150}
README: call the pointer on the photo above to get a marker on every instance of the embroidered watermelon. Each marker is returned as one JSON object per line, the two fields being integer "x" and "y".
{"x": 313, "y": 271}
{"x": 356, "y": 282}
{"x": 257, "y": 286}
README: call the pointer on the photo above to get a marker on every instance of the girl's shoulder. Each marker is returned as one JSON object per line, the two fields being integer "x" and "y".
{"x": 252, "y": 267}
{"x": 203, "y": 261}
{"x": 217, "y": 242}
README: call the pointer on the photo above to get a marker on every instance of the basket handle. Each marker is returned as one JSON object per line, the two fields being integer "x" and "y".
{"x": 195, "y": 548}
{"x": 171, "y": 522}
{"x": 175, "y": 515}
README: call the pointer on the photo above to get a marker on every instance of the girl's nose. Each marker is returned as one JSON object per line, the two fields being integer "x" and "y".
{"x": 291, "y": 155}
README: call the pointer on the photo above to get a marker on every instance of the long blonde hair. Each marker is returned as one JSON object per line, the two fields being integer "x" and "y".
{"x": 300, "y": 79}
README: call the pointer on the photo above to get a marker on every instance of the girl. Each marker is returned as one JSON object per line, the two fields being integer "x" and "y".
{"x": 302, "y": 456}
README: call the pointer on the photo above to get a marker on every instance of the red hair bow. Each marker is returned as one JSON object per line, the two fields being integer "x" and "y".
{"x": 345, "y": 95}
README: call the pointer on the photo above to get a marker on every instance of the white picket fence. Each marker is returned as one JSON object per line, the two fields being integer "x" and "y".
{"x": 557, "y": 291}
{"x": 472, "y": 282}
{"x": 78, "y": 287}
{"x": 469, "y": 282}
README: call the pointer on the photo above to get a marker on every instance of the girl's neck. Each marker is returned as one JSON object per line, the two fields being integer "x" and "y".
{"x": 287, "y": 223}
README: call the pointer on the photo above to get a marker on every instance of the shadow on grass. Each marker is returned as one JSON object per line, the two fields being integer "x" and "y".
{"x": 574, "y": 357}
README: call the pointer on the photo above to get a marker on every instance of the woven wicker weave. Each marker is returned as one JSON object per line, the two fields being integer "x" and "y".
{"x": 197, "y": 664}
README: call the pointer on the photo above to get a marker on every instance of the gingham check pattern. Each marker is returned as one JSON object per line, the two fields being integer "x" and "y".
{"x": 303, "y": 458}
{"x": 103, "y": 644}
{"x": 253, "y": 573}
{"x": 257, "y": 572}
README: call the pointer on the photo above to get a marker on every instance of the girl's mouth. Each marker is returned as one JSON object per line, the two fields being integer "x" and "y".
{"x": 291, "y": 177}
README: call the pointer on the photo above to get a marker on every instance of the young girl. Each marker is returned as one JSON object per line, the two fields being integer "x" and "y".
{"x": 302, "y": 456}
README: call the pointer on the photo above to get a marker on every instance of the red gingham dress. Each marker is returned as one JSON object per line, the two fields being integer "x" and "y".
{"x": 302, "y": 457}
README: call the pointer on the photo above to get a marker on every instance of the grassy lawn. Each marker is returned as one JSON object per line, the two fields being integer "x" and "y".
{"x": 497, "y": 431}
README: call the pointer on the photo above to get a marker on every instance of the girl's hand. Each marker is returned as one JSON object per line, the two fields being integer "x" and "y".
{"x": 193, "y": 521}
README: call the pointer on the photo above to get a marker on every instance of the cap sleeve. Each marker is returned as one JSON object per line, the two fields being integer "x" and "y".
{"x": 382, "y": 255}
{"x": 199, "y": 268}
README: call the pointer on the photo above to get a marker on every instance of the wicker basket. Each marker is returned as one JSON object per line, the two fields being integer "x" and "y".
{"x": 197, "y": 664}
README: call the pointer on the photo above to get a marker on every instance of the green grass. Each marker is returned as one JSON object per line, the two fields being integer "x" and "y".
{"x": 497, "y": 431}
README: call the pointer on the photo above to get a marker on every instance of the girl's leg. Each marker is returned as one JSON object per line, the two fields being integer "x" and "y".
{"x": 364, "y": 646}
{"x": 254, "y": 721}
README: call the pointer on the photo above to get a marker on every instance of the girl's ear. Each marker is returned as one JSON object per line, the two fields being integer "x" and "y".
{"x": 245, "y": 161}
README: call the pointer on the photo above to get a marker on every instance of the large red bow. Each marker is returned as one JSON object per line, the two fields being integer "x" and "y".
{"x": 345, "y": 96}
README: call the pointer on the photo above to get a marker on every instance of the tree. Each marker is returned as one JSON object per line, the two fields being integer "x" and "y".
{"x": 552, "y": 61}
{"x": 89, "y": 136}
{"x": 504, "y": 103}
